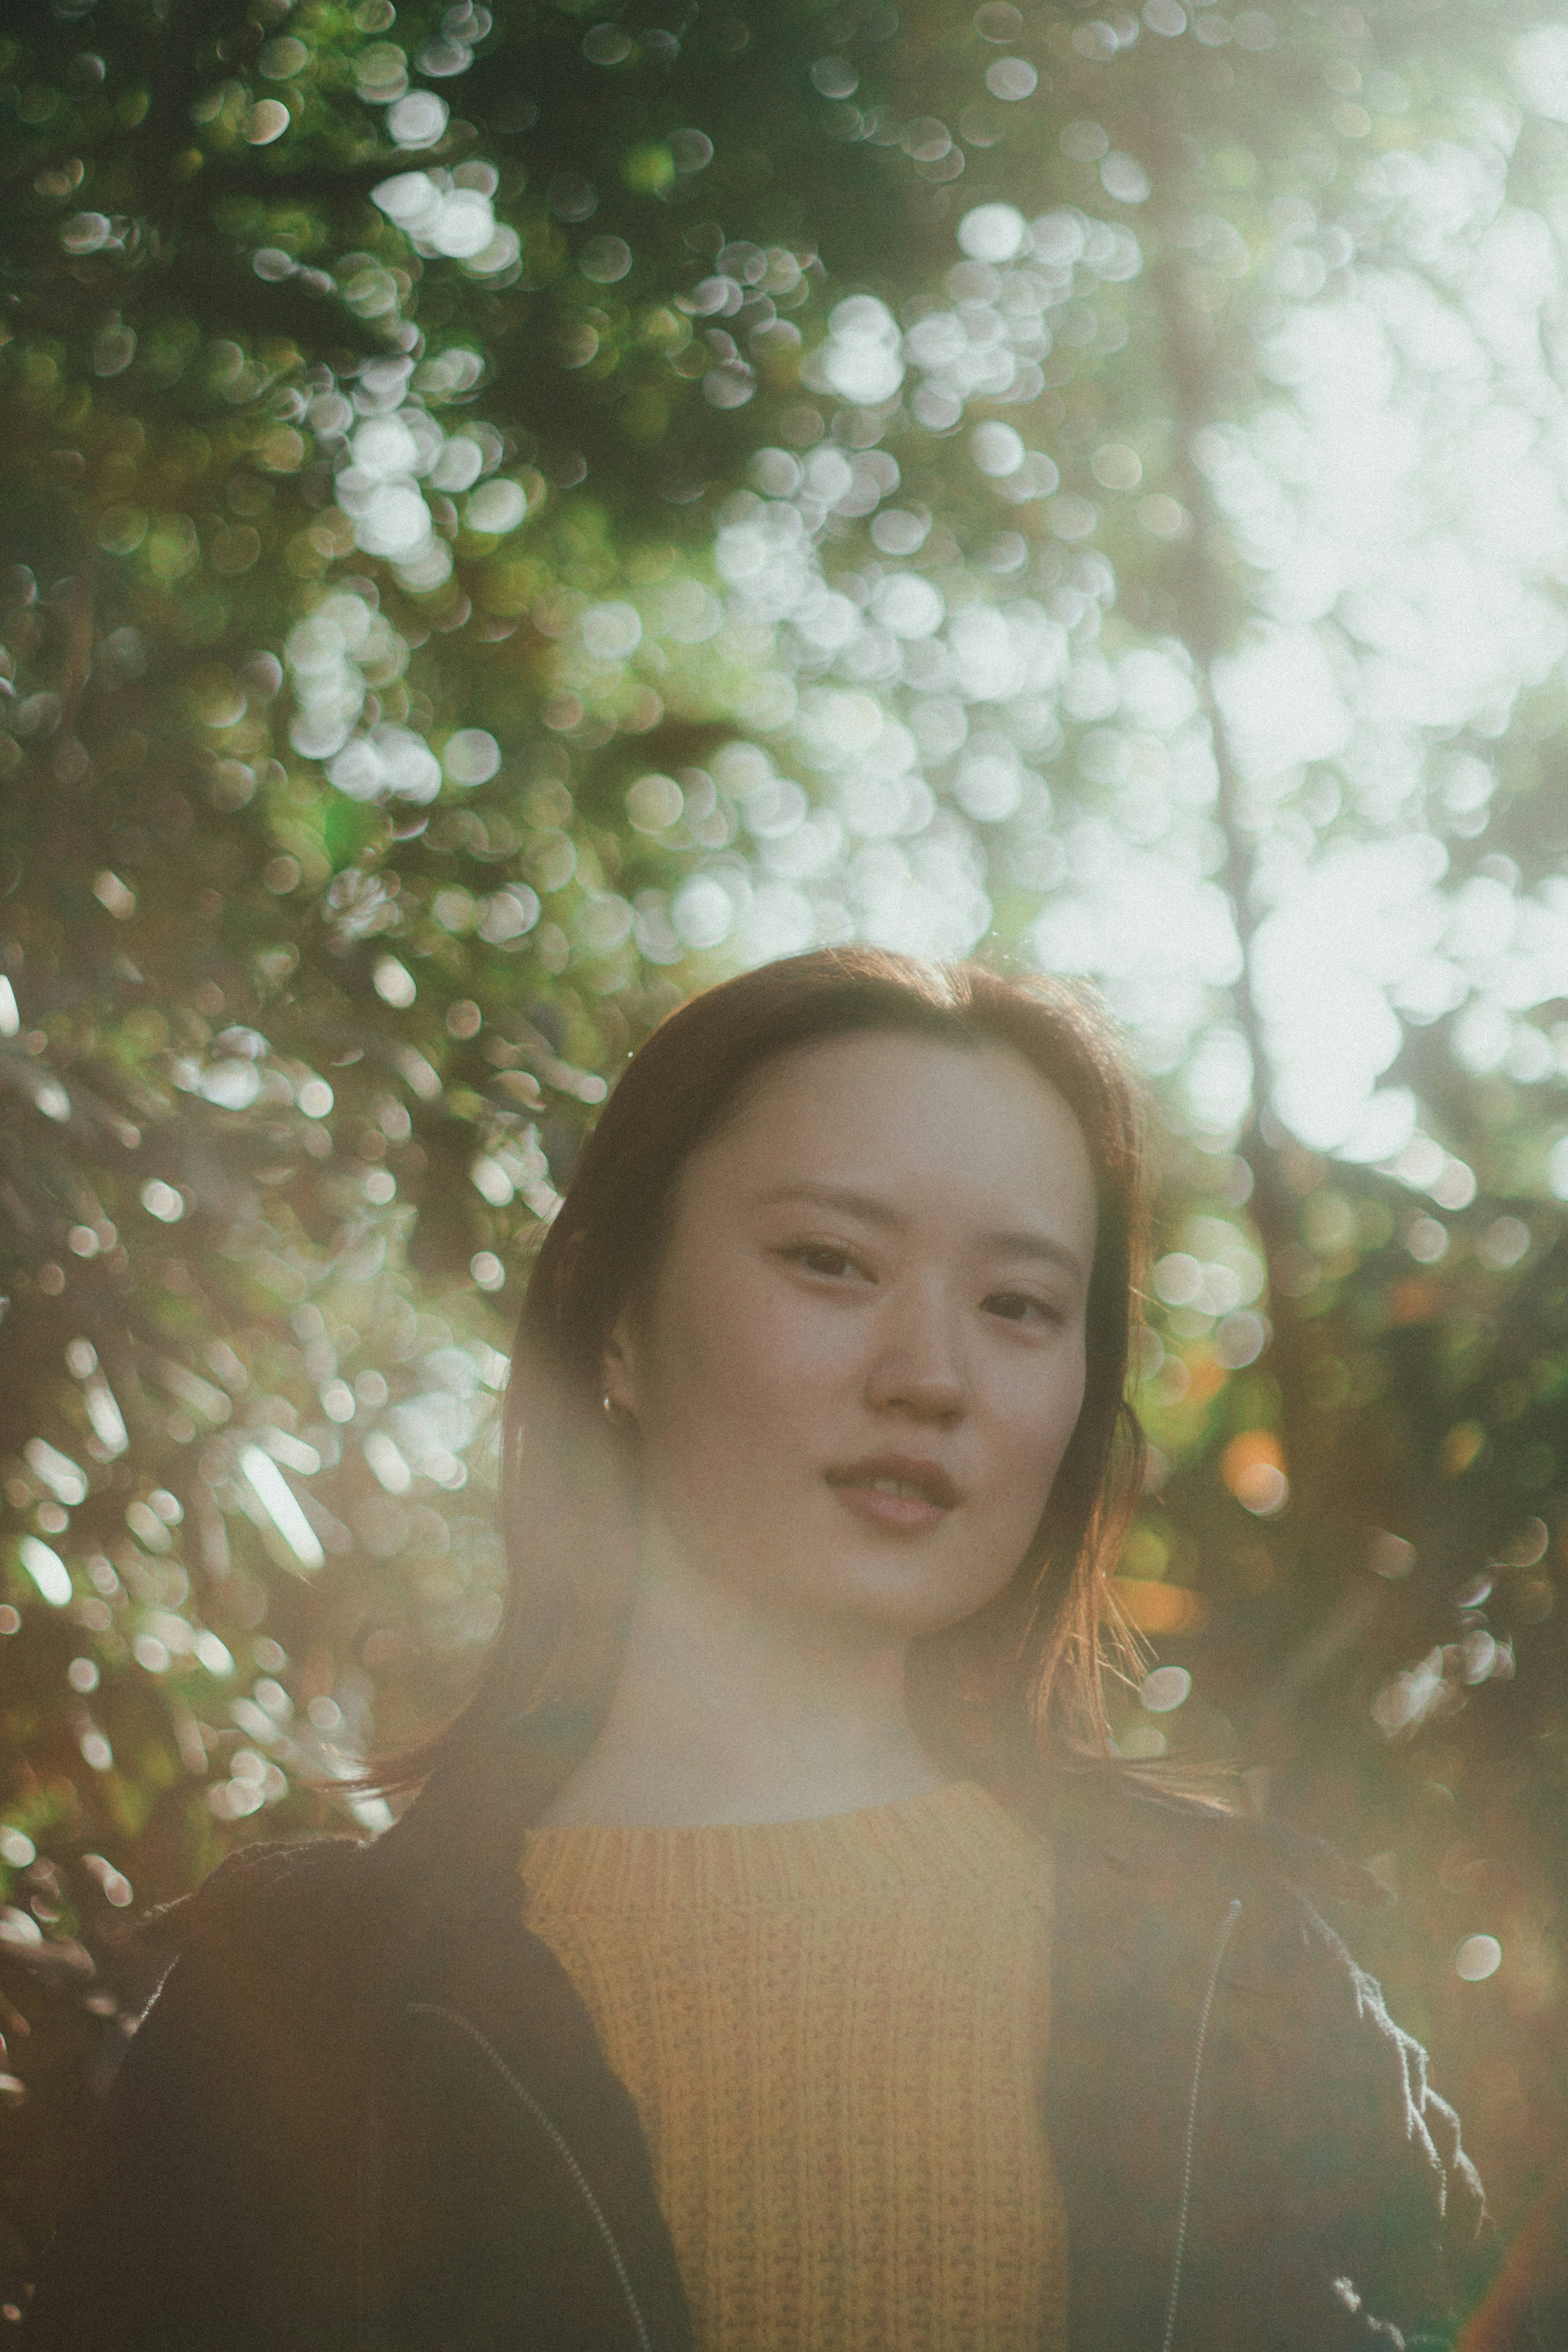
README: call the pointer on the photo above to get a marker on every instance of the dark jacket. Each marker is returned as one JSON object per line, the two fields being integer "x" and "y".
{"x": 367, "y": 2112}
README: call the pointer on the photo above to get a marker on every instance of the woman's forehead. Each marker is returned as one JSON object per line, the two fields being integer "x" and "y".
{"x": 897, "y": 1116}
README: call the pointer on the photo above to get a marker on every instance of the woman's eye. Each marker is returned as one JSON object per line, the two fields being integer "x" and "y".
{"x": 818, "y": 1257}
{"x": 1018, "y": 1306}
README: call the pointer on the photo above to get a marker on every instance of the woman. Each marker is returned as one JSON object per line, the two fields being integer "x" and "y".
{"x": 772, "y": 1958}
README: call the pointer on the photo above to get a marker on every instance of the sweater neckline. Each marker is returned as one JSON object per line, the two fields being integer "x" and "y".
{"x": 945, "y": 1840}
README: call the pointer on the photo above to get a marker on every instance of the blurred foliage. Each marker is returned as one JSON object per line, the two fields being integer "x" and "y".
{"x": 509, "y": 516}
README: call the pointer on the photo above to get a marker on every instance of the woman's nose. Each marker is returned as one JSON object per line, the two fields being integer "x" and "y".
{"x": 919, "y": 1369}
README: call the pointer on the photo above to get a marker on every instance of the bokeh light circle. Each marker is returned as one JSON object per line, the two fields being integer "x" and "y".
{"x": 1165, "y": 1689}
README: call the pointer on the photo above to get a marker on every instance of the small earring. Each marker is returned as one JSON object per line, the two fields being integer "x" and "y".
{"x": 615, "y": 1414}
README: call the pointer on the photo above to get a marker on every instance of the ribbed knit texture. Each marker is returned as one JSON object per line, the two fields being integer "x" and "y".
{"x": 834, "y": 2031}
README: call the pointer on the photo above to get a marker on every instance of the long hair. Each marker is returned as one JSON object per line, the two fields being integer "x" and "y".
{"x": 1026, "y": 1672}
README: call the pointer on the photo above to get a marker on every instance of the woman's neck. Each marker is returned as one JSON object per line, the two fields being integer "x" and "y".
{"x": 725, "y": 1712}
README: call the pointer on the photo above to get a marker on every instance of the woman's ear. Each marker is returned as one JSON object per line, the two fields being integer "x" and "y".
{"x": 619, "y": 1369}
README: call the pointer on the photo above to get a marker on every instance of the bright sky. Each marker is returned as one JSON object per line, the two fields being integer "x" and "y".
{"x": 1403, "y": 505}
{"x": 1402, "y": 502}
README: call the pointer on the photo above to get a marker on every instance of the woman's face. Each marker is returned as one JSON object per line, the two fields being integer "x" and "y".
{"x": 864, "y": 1355}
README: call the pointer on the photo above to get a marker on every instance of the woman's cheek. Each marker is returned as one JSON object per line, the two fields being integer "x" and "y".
{"x": 1043, "y": 1432}
{"x": 793, "y": 1338}
{"x": 754, "y": 1363}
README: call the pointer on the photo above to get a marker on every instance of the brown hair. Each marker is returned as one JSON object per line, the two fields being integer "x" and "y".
{"x": 1029, "y": 1668}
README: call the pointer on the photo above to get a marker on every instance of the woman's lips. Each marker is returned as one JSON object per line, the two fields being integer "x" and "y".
{"x": 900, "y": 1493}
{"x": 905, "y": 1513}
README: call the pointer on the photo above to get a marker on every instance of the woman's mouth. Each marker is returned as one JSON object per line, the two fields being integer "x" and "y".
{"x": 904, "y": 1496}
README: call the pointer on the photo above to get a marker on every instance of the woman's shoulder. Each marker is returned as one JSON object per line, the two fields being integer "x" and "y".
{"x": 1157, "y": 1890}
{"x": 1188, "y": 1845}
{"x": 293, "y": 1928}
{"x": 258, "y": 1894}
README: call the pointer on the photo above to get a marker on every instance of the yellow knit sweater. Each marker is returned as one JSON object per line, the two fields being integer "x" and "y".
{"x": 834, "y": 2031}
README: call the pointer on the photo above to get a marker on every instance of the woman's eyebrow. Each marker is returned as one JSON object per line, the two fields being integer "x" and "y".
{"x": 1041, "y": 1247}
{"x": 1025, "y": 1243}
{"x": 831, "y": 1196}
